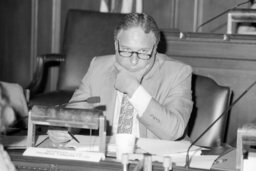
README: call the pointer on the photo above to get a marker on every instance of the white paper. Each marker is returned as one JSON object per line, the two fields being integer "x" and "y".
{"x": 203, "y": 161}
{"x": 91, "y": 143}
{"x": 250, "y": 163}
{"x": 177, "y": 150}
{"x": 64, "y": 154}
{"x": 164, "y": 147}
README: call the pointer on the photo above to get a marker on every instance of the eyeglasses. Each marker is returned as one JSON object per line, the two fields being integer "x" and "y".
{"x": 128, "y": 54}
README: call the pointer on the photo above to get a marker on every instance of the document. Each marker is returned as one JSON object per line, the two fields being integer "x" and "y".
{"x": 250, "y": 162}
{"x": 144, "y": 145}
{"x": 226, "y": 162}
{"x": 165, "y": 147}
{"x": 64, "y": 154}
{"x": 91, "y": 143}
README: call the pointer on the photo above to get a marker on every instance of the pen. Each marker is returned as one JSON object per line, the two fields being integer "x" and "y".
{"x": 73, "y": 137}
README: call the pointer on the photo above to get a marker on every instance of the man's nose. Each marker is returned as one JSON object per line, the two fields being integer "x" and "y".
{"x": 134, "y": 59}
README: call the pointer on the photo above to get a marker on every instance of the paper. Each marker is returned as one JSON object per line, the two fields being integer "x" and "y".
{"x": 64, "y": 154}
{"x": 164, "y": 147}
{"x": 250, "y": 163}
{"x": 226, "y": 162}
{"x": 152, "y": 146}
{"x": 203, "y": 161}
{"x": 177, "y": 150}
{"x": 91, "y": 143}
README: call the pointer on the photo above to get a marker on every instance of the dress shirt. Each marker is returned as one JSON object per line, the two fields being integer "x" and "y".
{"x": 140, "y": 101}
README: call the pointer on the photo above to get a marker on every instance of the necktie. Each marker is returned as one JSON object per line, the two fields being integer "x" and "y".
{"x": 125, "y": 121}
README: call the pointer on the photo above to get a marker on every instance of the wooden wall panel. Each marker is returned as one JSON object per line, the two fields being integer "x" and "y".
{"x": 15, "y": 44}
{"x": 162, "y": 11}
{"x": 15, "y": 37}
{"x": 185, "y": 15}
{"x": 44, "y": 26}
{"x": 211, "y": 9}
{"x": 230, "y": 62}
{"x": 190, "y": 14}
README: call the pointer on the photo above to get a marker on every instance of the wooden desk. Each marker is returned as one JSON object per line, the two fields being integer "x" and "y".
{"x": 24, "y": 163}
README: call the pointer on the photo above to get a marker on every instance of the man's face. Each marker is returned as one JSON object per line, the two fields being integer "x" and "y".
{"x": 135, "y": 40}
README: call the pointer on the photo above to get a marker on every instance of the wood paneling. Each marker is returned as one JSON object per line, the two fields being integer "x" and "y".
{"x": 185, "y": 15}
{"x": 44, "y": 27}
{"x": 16, "y": 26}
{"x": 161, "y": 11}
{"x": 211, "y": 9}
{"x": 15, "y": 37}
{"x": 231, "y": 62}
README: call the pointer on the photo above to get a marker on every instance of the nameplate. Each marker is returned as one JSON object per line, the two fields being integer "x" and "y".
{"x": 64, "y": 154}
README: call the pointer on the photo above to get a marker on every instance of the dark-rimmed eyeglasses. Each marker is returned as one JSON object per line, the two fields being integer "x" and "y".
{"x": 127, "y": 54}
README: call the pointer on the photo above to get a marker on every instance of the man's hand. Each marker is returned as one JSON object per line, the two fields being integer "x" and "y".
{"x": 126, "y": 81}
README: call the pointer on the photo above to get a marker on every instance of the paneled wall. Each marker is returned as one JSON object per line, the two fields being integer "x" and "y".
{"x": 205, "y": 10}
{"x": 29, "y": 28}
{"x": 15, "y": 41}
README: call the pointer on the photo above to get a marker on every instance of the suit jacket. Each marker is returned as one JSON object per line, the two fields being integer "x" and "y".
{"x": 168, "y": 82}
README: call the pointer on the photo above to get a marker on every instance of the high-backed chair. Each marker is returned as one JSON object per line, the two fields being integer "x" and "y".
{"x": 87, "y": 34}
{"x": 210, "y": 101}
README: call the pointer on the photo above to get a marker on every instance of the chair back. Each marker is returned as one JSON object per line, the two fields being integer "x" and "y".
{"x": 87, "y": 34}
{"x": 210, "y": 101}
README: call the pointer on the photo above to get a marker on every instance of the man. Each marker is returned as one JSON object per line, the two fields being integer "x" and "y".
{"x": 158, "y": 87}
{"x": 12, "y": 107}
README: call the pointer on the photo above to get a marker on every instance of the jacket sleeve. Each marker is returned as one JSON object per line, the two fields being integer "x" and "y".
{"x": 168, "y": 119}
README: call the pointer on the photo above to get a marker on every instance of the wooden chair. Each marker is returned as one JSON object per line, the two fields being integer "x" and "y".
{"x": 87, "y": 34}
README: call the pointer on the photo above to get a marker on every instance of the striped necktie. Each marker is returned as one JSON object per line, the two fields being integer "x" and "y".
{"x": 125, "y": 121}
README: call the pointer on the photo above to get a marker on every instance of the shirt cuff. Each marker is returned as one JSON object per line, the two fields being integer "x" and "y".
{"x": 140, "y": 100}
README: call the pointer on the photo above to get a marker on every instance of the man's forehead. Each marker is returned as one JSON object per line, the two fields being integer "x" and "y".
{"x": 136, "y": 34}
{"x": 134, "y": 29}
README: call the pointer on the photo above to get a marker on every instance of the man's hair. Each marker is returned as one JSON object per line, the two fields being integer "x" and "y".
{"x": 146, "y": 22}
